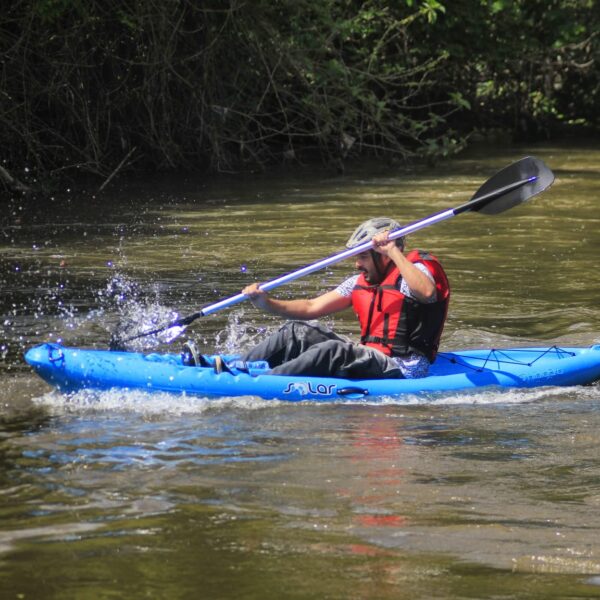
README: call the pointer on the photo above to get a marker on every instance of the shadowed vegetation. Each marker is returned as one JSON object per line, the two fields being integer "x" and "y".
{"x": 108, "y": 87}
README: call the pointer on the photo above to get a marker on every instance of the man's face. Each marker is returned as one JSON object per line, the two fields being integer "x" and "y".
{"x": 365, "y": 264}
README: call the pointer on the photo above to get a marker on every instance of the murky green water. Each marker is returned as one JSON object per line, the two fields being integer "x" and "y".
{"x": 487, "y": 495}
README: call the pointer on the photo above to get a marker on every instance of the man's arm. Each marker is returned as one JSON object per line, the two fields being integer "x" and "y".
{"x": 305, "y": 309}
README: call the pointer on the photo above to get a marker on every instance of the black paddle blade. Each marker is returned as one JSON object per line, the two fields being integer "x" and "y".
{"x": 511, "y": 186}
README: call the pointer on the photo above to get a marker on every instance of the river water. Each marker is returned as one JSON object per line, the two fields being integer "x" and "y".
{"x": 129, "y": 495}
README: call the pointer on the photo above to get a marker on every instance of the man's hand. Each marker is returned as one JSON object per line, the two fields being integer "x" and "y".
{"x": 383, "y": 245}
{"x": 257, "y": 296}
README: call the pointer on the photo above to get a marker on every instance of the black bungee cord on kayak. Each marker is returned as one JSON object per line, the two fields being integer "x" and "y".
{"x": 500, "y": 357}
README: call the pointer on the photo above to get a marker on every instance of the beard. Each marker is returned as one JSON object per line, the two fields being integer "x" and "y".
{"x": 370, "y": 277}
{"x": 377, "y": 273}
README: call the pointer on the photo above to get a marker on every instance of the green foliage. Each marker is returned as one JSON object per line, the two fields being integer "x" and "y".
{"x": 52, "y": 10}
{"x": 528, "y": 66}
{"x": 226, "y": 85}
{"x": 217, "y": 85}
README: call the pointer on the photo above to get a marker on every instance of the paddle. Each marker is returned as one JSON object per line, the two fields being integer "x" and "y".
{"x": 509, "y": 187}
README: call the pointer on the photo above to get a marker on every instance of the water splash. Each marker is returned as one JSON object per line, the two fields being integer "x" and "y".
{"x": 153, "y": 404}
{"x": 239, "y": 333}
{"x": 139, "y": 309}
{"x": 146, "y": 403}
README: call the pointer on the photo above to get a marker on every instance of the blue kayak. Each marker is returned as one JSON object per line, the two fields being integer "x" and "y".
{"x": 74, "y": 369}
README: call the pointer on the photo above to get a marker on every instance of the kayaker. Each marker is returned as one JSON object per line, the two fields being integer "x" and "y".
{"x": 401, "y": 302}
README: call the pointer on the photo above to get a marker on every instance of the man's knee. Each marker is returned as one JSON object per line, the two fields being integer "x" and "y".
{"x": 301, "y": 330}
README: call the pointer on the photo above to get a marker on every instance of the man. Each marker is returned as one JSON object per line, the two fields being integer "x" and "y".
{"x": 401, "y": 303}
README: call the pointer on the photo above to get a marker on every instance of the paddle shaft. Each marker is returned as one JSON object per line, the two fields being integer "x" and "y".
{"x": 474, "y": 204}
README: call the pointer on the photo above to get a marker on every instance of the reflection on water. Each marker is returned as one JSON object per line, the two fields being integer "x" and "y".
{"x": 127, "y": 494}
{"x": 257, "y": 486}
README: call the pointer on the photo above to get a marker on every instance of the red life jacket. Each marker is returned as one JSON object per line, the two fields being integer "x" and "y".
{"x": 396, "y": 324}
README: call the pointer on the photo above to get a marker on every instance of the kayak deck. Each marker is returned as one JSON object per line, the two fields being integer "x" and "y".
{"x": 73, "y": 369}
